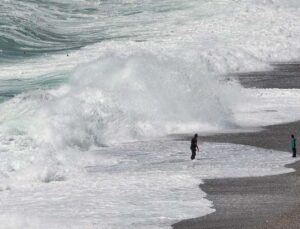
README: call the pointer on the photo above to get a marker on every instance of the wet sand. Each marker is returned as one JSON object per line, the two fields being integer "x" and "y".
{"x": 256, "y": 202}
{"x": 283, "y": 75}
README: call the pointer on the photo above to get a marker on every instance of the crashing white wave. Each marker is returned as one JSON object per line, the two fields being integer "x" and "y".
{"x": 145, "y": 85}
{"x": 117, "y": 98}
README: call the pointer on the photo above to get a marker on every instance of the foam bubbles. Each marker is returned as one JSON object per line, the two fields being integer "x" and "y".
{"x": 121, "y": 98}
{"x": 147, "y": 184}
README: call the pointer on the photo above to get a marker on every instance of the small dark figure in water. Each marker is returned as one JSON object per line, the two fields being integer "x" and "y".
{"x": 293, "y": 145}
{"x": 194, "y": 146}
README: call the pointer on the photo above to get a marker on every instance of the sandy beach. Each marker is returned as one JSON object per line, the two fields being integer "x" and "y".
{"x": 283, "y": 75}
{"x": 256, "y": 202}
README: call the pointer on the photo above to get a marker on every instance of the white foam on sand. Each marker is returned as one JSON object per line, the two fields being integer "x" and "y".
{"x": 149, "y": 184}
{"x": 265, "y": 107}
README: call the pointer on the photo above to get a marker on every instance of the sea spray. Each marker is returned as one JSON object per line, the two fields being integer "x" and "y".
{"x": 116, "y": 98}
{"x": 145, "y": 79}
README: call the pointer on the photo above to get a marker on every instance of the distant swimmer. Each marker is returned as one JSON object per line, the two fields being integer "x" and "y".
{"x": 194, "y": 146}
{"x": 293, "y": 145}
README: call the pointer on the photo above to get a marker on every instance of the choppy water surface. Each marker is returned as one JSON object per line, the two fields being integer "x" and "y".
{"x": 77, "y": 75}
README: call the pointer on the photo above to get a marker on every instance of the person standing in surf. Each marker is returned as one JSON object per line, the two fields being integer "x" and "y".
{"x": 194, "y": 146}
{"x": 293, "y": 145}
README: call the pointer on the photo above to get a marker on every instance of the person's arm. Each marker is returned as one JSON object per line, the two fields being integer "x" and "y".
{"x": 197, "y": 147}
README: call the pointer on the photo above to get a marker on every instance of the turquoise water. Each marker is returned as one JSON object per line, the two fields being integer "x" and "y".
{"x": 39, "y": 27}
{"x": 32, "y": 30}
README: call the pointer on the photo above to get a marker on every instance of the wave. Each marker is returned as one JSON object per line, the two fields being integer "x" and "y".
{"x": 119, "y": 97}
{"x": 164, "y": 76}
{"x": 65, "y": 34}
{"x": 124, "y": 96}
{"x": 37, "y": 27}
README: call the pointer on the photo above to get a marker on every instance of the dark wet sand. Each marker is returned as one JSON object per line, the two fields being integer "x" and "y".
{"x": 283, "y": 75}
{"x": 255, "y": 202}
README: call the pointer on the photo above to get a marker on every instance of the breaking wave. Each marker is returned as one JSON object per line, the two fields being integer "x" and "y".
{"x": 81, "y": 74}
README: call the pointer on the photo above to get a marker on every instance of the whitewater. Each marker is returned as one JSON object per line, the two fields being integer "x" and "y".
{"x": 90, "y": 92}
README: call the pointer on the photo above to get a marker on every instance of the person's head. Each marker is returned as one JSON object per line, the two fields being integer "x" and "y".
{"x": 292, "y": 136}
{"x": 196, "y": 135}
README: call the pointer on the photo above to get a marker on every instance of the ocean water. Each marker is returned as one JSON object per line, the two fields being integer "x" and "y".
{"x": 149, "y": 184}
{"x": 86, "y": 87}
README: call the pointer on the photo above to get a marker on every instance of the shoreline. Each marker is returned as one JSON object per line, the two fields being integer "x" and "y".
{"x": 256, "y": 202}
{"x": 275, "y": 137}
{"x": 252, "y": 202}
